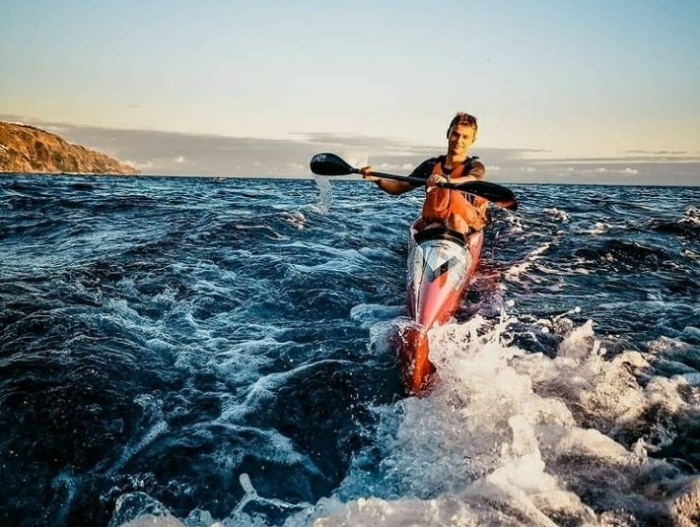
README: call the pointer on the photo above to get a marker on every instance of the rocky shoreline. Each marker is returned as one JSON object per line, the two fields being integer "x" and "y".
{"x": 27, "y": 149}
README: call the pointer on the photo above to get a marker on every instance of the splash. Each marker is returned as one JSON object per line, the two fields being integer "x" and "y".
{"x": 513, "y": 438}
{"x": 325, "y": 197}
{"x": 556, "y": 214}
{"x": 691, "y": 216}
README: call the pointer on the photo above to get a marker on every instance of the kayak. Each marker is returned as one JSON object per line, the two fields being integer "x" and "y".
{"x": 440, "y": 265}
{"x": 439, "y": 268}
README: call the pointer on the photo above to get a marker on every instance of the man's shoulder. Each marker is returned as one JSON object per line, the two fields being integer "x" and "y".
{"x": 425, "y": 168}
{"x": 476, "y": 168}
{"x": 433, "y": 160}
{"x": 441, "y": 159}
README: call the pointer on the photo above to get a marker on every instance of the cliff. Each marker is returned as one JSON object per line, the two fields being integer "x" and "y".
{"x": 27, "y": 149}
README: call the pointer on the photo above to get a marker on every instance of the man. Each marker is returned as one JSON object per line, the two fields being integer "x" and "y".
{"x": 449, "y": 208}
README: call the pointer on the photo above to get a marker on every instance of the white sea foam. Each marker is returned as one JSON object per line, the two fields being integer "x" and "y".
{"x": 511, "y": 438}
{"x": 557, "y": 214}
{"x": 597, "y": 229}
{"x": 295, "y": 218}
{"x": 691, "y": 216}
{"x": 154, "y": 426}
{"x": 367, "y": 315}
{"x": 515, "y": 223}
{"x": 515, "y": 438}
{"x": 691, "y": 255}
{"x": 513, "y": 273}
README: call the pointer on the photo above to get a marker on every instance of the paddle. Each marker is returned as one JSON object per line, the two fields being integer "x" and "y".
{"x": 333, "y": 165}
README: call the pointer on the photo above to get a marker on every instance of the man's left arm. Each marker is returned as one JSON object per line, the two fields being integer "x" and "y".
{"x": 477, "y": 170}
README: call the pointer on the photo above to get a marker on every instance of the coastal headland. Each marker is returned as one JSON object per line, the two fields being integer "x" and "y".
{"x": 27, "y": 149}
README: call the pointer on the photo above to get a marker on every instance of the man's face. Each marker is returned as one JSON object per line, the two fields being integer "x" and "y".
{"x": 459, "y": 140}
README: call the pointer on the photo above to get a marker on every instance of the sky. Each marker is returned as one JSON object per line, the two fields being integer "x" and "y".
{"x": 588, "y": 91}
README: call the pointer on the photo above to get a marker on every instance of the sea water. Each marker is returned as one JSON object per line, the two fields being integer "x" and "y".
{"x": 206, "y": 351}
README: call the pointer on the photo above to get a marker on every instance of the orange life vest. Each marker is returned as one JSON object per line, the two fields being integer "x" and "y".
{"x": 441, "y": 203}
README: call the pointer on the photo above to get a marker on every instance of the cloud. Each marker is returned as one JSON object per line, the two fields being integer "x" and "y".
{"x": 689, "y": 158}
{"x": 658, "y": 152}
{"x": 170, "y": 153}
{"x": 139, "y": 165}
{"x": 605, "y": 170}
{"x": 395, "y": 167}
{"x": 363, "y": 141}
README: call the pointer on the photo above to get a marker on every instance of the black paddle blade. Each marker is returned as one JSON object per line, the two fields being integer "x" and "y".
{"x": 330, "y": 165}
{"x": 498, "y": 194}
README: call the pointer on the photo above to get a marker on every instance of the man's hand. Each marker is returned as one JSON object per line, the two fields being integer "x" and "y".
{"x": 367, "y": 174}
{"x": 435, "y": 179}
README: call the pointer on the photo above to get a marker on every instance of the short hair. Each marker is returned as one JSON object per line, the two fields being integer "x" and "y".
{"x": 463, "y": 118}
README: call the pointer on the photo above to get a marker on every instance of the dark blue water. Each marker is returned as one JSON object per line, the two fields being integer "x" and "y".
{"x": 220, "y": 350}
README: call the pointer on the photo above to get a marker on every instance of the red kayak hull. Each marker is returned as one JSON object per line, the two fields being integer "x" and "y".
{"x": 440, "y": 267}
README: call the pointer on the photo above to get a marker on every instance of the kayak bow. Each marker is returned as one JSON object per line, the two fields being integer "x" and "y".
{"x": 440, "y": 267}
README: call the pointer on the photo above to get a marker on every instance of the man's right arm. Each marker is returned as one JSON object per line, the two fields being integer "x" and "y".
{"x": 391, "y": 186}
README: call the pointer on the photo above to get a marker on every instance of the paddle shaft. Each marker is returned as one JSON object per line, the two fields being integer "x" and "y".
{"x": 328, "y": 164}
{"x": 420, "y": 181}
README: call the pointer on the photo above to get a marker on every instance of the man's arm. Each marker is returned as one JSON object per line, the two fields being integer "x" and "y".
{"x": 391, "y": 186}
{"x": 477, "y": 170}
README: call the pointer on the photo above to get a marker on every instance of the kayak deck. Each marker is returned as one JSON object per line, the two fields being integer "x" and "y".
{"x": 440, "y": 266}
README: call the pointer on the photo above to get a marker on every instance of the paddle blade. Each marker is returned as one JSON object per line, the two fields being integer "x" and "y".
{"x": 330, "y": 165}
{"x": 493, "y": 192}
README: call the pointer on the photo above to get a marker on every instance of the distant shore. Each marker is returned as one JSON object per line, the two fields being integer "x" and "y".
{"x": 30, "y": 150}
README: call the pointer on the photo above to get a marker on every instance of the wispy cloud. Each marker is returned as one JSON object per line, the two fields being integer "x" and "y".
{"x": 361, "y": 141}
{"x": 637, "y": 158}
{"x": 659, "y": 152}
{"x": 144, "y": 167}
{"x": 627, "y": 171}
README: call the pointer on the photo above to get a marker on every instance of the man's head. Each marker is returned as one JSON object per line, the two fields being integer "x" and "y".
{"x": 461, "y": 134}
{"x": 465, "y": 119}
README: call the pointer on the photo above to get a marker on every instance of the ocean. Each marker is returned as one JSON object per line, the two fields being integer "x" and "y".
{"x": 219, "y": 350}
